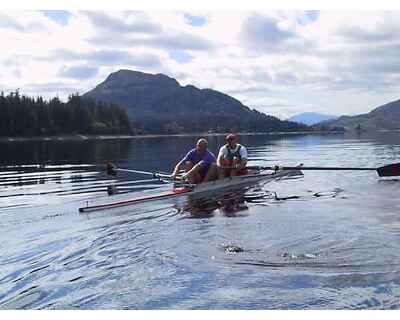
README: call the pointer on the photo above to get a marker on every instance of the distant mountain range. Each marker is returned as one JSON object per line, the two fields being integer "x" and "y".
{"x": 310, "y": 118}
{"x": 159, "y": 104}
{"x": 385, "y": 117}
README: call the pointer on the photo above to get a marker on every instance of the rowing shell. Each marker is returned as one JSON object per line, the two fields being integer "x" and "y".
{"x": 205, "y": 187}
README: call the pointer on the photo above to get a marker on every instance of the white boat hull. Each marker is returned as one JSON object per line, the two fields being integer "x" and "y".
{"x": 243, "y": 181}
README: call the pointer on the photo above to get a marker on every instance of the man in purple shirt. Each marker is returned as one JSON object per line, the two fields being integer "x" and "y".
{"x": 199, "y": 164}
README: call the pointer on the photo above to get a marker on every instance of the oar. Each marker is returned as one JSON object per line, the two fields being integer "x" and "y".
{"x": 390, "y": 170}
{"x": 112, "y": 170}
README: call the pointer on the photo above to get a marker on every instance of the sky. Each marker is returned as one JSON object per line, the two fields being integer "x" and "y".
{"x": 281, "y": 62}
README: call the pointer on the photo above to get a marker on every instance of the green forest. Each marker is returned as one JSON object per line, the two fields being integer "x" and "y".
{"x": 25, "y": 116}
{"x": 217, "y": 123}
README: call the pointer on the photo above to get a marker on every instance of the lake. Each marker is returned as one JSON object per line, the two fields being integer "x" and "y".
{"x": 334, "y": 243}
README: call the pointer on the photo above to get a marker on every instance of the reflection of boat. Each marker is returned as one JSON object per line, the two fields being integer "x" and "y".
{"x": 232, "y": 183}
{"x": 228, "y": 203}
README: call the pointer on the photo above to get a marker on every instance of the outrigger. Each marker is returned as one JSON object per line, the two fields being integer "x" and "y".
{"x": 256, "y": 175}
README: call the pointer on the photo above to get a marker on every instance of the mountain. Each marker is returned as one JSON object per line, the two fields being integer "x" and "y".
{"x": 310, "y": 118}
{"x": 157, "y": 103}
{"x": 385, "y": 117}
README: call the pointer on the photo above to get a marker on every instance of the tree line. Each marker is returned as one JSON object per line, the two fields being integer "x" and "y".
{"x": 25, "y": 116}
{"x": 216, "y": 123}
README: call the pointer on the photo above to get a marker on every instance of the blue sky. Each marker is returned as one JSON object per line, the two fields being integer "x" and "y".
{"x": 181, "y": 56}
{"x": 278, "y": 62}
{"x": 196, "y": 21}
{"x": 59, "y": 16}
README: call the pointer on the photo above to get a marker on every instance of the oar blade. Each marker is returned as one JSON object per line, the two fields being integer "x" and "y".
{"x": 390, "y": 170}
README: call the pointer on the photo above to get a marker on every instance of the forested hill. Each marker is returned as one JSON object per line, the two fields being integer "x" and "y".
{"x": 25, "y": 116}
{"x": 385, "y": 117}
{"x": 159, "y": 104}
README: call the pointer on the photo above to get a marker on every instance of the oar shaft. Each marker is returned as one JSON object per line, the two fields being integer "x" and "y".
{"x": 390, "y": 170}
{"x": 327, "y": 168}
{"x": 135, "y": 171}
{"x": 310, "y": 168}
{"x": 154, "y": 174}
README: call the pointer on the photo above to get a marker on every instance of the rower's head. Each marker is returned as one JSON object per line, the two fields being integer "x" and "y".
{"x": 201, "y": 145}
{"x": 231, "y": 139}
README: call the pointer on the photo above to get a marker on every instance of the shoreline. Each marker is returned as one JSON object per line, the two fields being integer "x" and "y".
{"x": 82, "y": 137}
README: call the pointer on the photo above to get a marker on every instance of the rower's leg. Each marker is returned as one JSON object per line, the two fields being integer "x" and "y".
{"x": 221, "y": 173}
{"x": 188, "y": 165}
{"x": 195, "y": 176}
{"x": 226, "y": 170}
{"x": 240, "y": 168}
{"x": 212, "y": 173}
{"x": 234, "y": 171}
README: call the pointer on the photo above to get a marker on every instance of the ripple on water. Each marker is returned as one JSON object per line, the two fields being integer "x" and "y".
{"x": 327, "y": 241}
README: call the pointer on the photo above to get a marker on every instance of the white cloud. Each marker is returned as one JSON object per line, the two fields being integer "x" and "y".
{"x": 281, "y": 62}
{"x": 80, "y": 72}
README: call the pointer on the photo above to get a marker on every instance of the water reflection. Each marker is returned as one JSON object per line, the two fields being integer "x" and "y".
{"x": 67, "y": 151}
{"x": 228, "y": 204}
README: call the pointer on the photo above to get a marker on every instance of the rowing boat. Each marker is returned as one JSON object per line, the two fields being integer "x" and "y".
{"x": 257, "y": 175}
{"x": 232, "y": 183}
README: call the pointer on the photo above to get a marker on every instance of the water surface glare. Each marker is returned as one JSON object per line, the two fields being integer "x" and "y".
{"x": 329, "y": 240}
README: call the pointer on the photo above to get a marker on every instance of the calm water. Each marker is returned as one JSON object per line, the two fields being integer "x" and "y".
{"x": 333, "y": 244}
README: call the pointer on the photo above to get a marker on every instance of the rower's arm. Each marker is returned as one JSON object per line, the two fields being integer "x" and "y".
{"x": 243, "y": 154}
{"x": 220, "y": 158}
{"x": 243, "y": 163}
{"x": 176, "y": 169}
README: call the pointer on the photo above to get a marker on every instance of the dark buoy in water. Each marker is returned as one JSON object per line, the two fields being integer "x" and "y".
{"x": 233, "y": 249}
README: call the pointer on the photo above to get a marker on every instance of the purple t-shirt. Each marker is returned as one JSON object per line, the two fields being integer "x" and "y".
{"x": 206, "y": 159}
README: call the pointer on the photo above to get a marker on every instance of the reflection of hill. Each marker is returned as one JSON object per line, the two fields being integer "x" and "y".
{"x": 376, "y": 137}
{"x": 85, "y": 151}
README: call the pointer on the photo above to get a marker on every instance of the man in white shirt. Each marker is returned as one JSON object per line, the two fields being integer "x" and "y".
{"x": 232, "y": 158}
